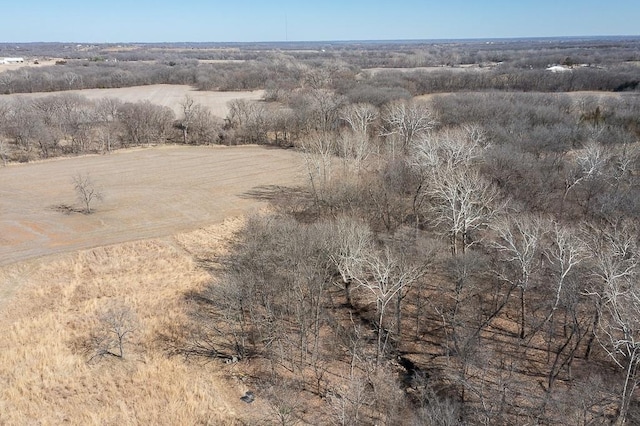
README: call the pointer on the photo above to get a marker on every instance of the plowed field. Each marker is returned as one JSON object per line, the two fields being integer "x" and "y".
{"x": 147, "y": 193}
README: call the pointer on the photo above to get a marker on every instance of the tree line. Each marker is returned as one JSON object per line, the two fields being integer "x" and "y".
{"x": 70, "y": 124}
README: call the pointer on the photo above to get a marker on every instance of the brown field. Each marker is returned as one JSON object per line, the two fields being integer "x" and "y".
{"x": 147, "y": 193}
{"x": 29, "y": 62}
{"x": 47, "y": 371}
{"x": 170, "y": 95}
{"x": 59, "y": 270}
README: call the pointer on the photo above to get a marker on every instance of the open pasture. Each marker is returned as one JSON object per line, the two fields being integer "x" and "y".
{"x": 169, "y": 95}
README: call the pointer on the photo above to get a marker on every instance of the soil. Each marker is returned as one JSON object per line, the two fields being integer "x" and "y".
{"x": 148, "y": 193}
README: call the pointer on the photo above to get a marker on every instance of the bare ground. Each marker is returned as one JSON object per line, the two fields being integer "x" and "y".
{"x": 170, "y": 95}
{"x": 147, "y": 193}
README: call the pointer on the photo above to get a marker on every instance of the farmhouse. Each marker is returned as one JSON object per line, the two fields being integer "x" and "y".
{"x": 11, "y": 60}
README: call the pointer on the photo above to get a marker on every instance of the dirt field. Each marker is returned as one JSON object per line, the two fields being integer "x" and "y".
{"x": 147, "y": 193}
{"x": 170, "y": 95}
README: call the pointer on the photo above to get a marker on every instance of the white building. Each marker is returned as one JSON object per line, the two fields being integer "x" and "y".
{"x": 558, "y": 68}
{"x": 12, "y": 61}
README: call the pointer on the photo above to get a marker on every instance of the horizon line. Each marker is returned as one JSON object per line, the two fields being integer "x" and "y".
{"x": 398, "y": 40}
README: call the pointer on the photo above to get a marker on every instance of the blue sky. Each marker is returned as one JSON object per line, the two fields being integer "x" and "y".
{"x": 253, "y": 20}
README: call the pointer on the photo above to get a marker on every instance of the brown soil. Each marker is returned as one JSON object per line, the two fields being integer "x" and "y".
{"x": 148, "y": 193}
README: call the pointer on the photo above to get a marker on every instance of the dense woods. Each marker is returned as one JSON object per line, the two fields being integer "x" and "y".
{"x": 465, "y": 250}
{"x": 468, "y": 262}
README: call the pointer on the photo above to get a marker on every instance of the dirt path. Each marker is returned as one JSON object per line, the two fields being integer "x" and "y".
{"x": 148, "y": 193}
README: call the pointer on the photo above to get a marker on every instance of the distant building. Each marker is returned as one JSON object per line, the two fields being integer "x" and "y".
{"x": 558, "y": 68}
{"x": 11, "y": 61}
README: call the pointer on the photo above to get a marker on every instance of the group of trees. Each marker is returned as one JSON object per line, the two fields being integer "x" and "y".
{"x": 71, "y": 124}
{"x": 485, "y": 244}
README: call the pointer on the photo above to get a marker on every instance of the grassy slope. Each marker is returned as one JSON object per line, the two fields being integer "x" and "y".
{"x": 44, "y": 374}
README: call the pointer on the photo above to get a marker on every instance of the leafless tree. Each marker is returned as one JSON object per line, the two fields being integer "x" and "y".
{"x": 352, "y": 244}
{"x": 384, "y": 276}
{"x": 450, "y": 148}
{"x": 318, "y": 152}
{"x": 5, "y": 152}
{"x": 107, "y": 116}
{"x": 283, "y": 398}
{"x": 360, "y": 117}
{"x": 249, "y": 120}
{"x": 188, "y": 113}
{"x": 406, "y": 121}
{"x": 349, "y": 402}
{"x": 439, "y": 157}
{"x": 519, "y": 242}
{"x": 589, "y": 164}
{"x": 116, "y": 323}
{"x": 565, "y": 253}
{"x": 145, "y": 123}
{"x": 463, "y": 202}
{"x": 87, "y": 192}
{"x": 78, "y": 117}
{"x": 356, "y": 144}
{"x": 614, "y": 252}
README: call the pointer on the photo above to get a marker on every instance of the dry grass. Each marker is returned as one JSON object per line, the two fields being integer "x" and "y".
{"x": 45, "y": 376}
{"x": 169, "y": 95}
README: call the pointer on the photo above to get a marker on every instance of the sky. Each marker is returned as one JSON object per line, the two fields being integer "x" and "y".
{"x": 117, "y": 21}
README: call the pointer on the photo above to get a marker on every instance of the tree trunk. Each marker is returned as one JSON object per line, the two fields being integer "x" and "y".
{"x": 522, "y": 313}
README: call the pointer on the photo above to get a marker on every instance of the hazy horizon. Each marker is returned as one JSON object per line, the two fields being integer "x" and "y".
{"x": 250, "y": 21}
{"x": 363, "y": 41}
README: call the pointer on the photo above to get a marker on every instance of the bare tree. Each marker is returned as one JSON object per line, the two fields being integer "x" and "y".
{"x": 442, "y": 161}
{"x": 355, "y": 144}
{"x": 565, "y": 253}
{"x": 450, "y": 148}
{"x": 318, "y": 151}
{"x": 614, "y": 252}
{"x": 519, "y": 241}
{"x": 284, "y": 402}
{"x": 463, "y": 202}
{"x": 406, "y": 121}
{"x": 107, "y": 116}
{"x": 189, "y": 110}
{"x": 145, "y": 123}
{"x": 589, "y": 164}
{"x": 384, "y": 276}
{"x": 87, "y": 192}
{"x": 352, "y": 244}
{"x": 249, "y": 120}
{"x": 349, "y": 402}
{"x": 5, "y": 152}
{"x": 359, "y": 116}
{"x": 116, "y": 323}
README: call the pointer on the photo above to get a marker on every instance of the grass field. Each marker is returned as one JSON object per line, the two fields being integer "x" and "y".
{"x": 48, "y": 377}
{"x": 170, "y": 95}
